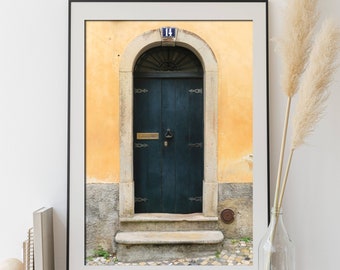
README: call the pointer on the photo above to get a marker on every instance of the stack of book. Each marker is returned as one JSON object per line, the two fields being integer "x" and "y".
{"x": 39, "y": 247}
{"x": 29, "y": 251}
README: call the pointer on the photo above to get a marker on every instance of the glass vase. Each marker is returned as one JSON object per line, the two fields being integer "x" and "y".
{"x": 276, "y": 250}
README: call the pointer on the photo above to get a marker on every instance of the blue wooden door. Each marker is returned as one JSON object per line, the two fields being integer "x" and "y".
{"x": 168, "y": 145}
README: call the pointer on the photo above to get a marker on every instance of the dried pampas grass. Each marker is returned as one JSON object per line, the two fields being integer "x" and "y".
{"x": 313, "y": 90}
{"x": 308, "y": 65}
{"x": 300, "y": 19}
{"x": 295, "y": 43}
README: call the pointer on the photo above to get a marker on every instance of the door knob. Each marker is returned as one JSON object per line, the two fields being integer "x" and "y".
{"x": 169, "y": 134}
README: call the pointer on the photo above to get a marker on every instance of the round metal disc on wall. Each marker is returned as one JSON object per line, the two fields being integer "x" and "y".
{"x": 228, "y": 216}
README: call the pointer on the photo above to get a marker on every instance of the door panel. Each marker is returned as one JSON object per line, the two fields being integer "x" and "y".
{"x": 168, "y": 172}
{"x": 147, "y": 153}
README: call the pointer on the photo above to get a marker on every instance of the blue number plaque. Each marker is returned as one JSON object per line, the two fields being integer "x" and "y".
{"x": 168, "y": 32}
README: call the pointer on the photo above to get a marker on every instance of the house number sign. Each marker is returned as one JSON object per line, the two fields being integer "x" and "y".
{"x": 168, "y": 32}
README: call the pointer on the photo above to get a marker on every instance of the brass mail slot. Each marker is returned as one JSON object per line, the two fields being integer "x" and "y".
{"x": 147, "y": 136}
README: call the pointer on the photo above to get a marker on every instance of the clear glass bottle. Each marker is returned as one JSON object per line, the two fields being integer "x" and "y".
{"x": 276, "y": 250}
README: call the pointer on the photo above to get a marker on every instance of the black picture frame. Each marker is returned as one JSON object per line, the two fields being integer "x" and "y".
{"x": 82, "y": 11}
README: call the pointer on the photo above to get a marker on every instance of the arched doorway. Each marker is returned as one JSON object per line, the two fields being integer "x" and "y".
{"x": 202, "y": 51}
{"x": 168, "y": 131}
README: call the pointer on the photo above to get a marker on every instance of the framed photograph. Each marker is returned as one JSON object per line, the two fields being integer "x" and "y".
{"x": 168, "y": 141}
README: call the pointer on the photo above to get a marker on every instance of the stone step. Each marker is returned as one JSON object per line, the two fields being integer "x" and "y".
{"x": 156, "y": 245}
{"x": 168, "y": 222}
{"x": 178, "y": 237}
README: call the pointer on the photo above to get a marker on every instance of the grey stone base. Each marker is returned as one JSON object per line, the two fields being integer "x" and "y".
{"x": 238, "y": 198}
{"x": 137, "y": 253}
{"x": 102, "y": 218}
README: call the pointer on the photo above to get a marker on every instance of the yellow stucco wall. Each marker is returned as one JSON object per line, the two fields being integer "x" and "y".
{"x": 231, "y": 43}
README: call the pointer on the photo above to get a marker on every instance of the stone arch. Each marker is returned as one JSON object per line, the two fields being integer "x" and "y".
{"x": 134, "y": 49}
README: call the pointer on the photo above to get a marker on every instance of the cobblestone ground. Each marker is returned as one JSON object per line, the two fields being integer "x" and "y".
{"x": 237, "y": 252}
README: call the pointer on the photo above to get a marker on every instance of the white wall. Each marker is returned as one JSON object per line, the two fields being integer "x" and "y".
{"x": 311, "y": 206}
{"x": 33, "y": 117}
{"x": 33, "y": 137}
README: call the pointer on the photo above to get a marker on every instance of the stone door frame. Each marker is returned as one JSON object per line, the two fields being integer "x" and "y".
{"x": 134, "y": 49}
